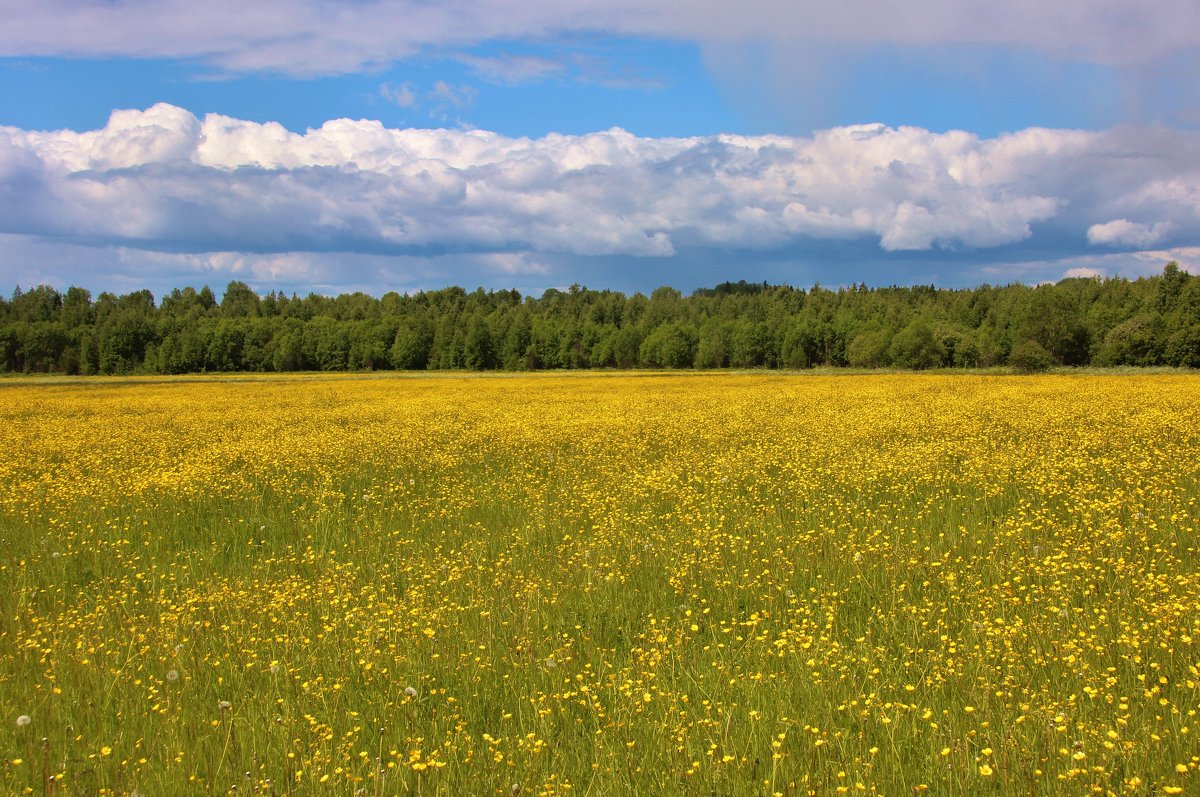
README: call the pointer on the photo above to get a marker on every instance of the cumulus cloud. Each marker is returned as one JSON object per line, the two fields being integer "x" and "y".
{"x": 1123, "y": 232}
{"x": 308, "y": 37}
{"x": 1084, "y": 272}
{"x": 163, "y": 180}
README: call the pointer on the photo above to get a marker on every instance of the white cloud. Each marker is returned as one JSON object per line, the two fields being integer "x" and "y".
{"x": 514, "y": 263}
{"x": 306, "y": 37}
{"x": 513, "y": 69}
{"x": 1123, "y": 232}
{"x": 163, "y": 180}
{"x": 401, "y": 95}
{"x": 438, "y": 103}
{"x": 27, "y": 261}
{"x": 445, "y": 100}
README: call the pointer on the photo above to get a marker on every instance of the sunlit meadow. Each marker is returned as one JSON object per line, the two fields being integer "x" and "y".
{"x": 689, "y": 584}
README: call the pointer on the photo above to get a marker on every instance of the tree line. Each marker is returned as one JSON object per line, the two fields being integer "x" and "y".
{"x": 1075, "y": 322}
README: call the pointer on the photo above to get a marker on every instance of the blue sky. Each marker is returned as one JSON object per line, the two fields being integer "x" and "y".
{"x": 650, "y": 88}
{"x": 166, "y": 144}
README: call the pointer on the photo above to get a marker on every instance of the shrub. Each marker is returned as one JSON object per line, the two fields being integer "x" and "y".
{"x": 1029, "y": 356}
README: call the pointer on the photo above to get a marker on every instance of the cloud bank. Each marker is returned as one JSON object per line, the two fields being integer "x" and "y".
{"x": 308, "y": 37}
{"x": 1123, "y": 232}
{"x": 163, "y": 180}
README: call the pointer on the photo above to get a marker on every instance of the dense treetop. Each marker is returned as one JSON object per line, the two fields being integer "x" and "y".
{"x": 1148, "y": 321}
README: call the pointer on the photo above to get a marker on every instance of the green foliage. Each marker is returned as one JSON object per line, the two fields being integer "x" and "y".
{"x": 77, "y": 308}
{"x": 1051, "y": 318}
{"x": 289, "y": 348}
{"x": 410, "y": 349}
{"x": 752, "y": 345}
{"x": 239, "y": 301}
{"x": 10, "y": 347}
{"x": 516, "y": 342}
{"x": 479, "y": 349}
{"x": 669, "y": 346}
{"x": 1030, "y": 357}
{"x": 869, "y": 349}
{"x": 225, "y": 347}
{"x": 1183, "y": 347}
{"x": 42, "y": 303}
{"x": 182, "y": 351}
{"x": 798, "y": 348}
{"x": 123, "y": 339}
{"x": 1135, "y": 342}
{"x": 44, "y": 346}
{"x": 916, "y": 347}
{"x": 713, "y": 345}
{"x": 1149, "y": 321}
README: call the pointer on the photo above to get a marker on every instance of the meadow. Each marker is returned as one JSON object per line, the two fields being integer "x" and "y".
{"x": 692, "y": 584}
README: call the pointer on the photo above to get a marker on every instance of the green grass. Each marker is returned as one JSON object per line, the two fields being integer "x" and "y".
{"x": 702, "y": 585}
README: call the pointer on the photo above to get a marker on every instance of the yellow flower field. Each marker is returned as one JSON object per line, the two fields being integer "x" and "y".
{"x": 601, "y": 584}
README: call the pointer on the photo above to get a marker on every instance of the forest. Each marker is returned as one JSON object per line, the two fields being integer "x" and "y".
{"x": 1150, "y": 321}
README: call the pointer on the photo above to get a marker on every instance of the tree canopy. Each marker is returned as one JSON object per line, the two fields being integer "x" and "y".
{"x": 1148, "y": 321}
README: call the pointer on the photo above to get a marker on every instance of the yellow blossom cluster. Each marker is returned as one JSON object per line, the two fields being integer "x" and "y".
{"x": 555, "y": 584}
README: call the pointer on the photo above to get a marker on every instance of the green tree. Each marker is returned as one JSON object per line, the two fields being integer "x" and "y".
{"x": 1170, "y": 287}
{"x": 916, "y": 347}
{"x": 77, "y": 308}
{"x": 239, "y": 301}
{"x": 869, "y": 349}
{"x": 751, "y": 344}
{"x": 712, "y": 348}
{"x": 670, "y": 345}
{"x": 545, "y": 343}
{"x": 89, "y": 351}
{"x": 182, "y": 351}
{"x": 43, "y": 346}
{"x": 799, "y": 346}
{"x": 288, "y": 354}
{"x": 1183, "y": 347}
{"x": 479, "y": 350}
{"x": 370, "y": 344}
{"x": 412, "y": 344}
{"x": 123, "y": 340}
{"x": 626, "y": 346}
{"x": 1051, "y": 316}
{"x": 1029, "y": 356}
{"x": 326, "y": 343}
{"x": 516, "y": 341}
{"x": 1135, "y": 342}
{"x": 225, "y": 345}
{"x": 258, "y": 344}
{"x": 42, "y": 303}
